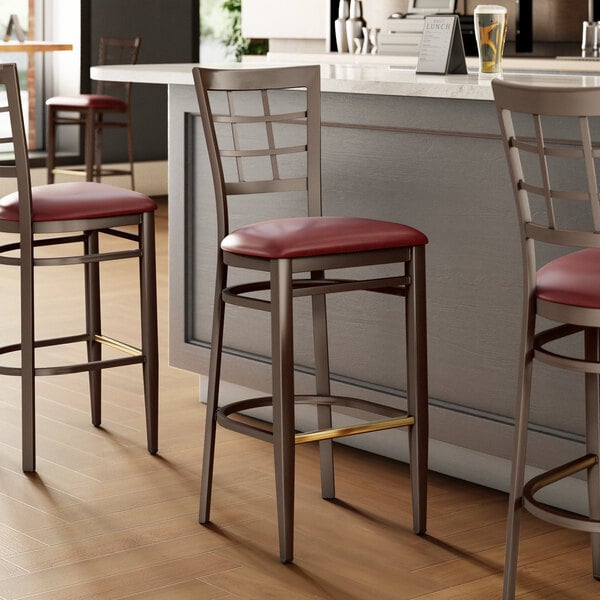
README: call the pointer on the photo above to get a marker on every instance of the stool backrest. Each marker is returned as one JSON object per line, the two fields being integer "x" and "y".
{"x": 548, "y": 136}
{"x": 13, "y": 133}
{"x": 239, "y": 107}
{"x": 117, "y": 51}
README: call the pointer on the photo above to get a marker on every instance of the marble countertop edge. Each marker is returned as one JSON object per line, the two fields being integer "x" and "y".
{"x": 375, "y": 77}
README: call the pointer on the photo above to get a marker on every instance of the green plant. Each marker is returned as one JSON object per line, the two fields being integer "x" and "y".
{"x": 232, "y": 36}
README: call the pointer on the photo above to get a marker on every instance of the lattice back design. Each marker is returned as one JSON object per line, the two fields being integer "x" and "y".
{"x": 254, "y": 147}
{"x": 117, "y": 51}
{"x": 548, "y": 135}
{"x": 262, "y": 129}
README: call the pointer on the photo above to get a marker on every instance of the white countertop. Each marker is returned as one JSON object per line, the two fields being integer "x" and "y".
{"x": 345, "y": 73}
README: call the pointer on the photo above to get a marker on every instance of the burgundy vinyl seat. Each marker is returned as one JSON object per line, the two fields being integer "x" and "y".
{"x": 84, "y": 101}
{"x": 72, "y": 219}
{"x": 573, "y": 279}
{"x": 94, "y": 113}
{"x": 551, "y": 145}
{"x": 313, "y": 236}
{"x": 262, "y": 130}
{"x": 77, "y": 200}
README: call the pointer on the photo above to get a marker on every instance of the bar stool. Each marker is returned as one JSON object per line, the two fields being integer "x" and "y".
{"x": 233, "y": 103}
{"x": 92, "y": 114}
{"x": 565, "y": 290}
{"x": 70, "y": 214}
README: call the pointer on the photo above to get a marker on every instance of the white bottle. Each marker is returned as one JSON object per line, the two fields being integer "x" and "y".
{"x": 341, "y": 39}
{"x": 355, "y": 23}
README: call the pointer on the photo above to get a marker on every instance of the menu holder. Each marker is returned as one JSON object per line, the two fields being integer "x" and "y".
{"x": 441, "y": 51}
{"x": 14, "y": 24}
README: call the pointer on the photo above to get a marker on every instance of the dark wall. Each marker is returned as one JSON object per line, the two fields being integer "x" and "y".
{"x": 170, "y": 33}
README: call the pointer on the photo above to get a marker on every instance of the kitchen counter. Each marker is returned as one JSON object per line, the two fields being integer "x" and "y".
{"x": 381, "y": 75}
{"x": 420, "y": 149}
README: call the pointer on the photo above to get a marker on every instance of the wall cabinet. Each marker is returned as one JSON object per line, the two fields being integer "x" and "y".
{"x": 309, "y": 19}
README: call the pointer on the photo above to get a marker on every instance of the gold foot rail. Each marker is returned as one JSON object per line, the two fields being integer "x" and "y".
{"x": 327, "y": 434}
{"x": 553, "y": 515}
{"x": 118, "y": 345}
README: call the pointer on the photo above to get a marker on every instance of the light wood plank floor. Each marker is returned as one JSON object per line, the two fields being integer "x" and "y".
{"x": 104, "y": 520}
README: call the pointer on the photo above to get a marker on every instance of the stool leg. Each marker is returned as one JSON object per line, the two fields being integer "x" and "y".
{"x": 98, "y": 132}
{"x": 417, "y": 393}
{"x": 130, "y": 146}
{"x": 282, "y": 345}
{"x": 319, "y": 314}
{"x": 515, "y": 501}
{"x": 90, "y": 127}
{"x": 592, "y": 398}
{"x": 214, "y": 376}
{"x": 149, "y": 328}
{"x": 51, "y": 145}
{"x": 93, "y": 325}
{"x": 27, "y": 360}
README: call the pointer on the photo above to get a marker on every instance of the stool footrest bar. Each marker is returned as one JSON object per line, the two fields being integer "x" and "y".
{"x": 118, "y": 345}
{"x": 135, "y": 357}
{"x": 327, "y": 434}
{"x": 396, "y": 417}
{"x": 554, "y": 515}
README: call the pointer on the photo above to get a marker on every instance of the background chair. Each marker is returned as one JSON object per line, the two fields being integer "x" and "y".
{"x": 94, "y": 113}
{"x": 73, "y": 214}
{"x": 565, "y": 290}
{"x": 251, "y": 104}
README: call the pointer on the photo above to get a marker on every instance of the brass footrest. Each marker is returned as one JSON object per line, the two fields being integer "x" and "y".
{"x": 81, "y": 172}
{"x": 135, "y": 356}
{"x": 327, "y": 434}
{"x": 553, "y": 515}
{"x": 396, "y": 418}
{"x": 118, "y": 345}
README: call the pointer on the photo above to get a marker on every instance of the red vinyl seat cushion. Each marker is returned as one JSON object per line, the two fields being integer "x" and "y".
{"x": 313, "y": 236}
{"x": 77, "y": 200}
{"x": 573, "y": 279}
{"x": 83, "y": 101}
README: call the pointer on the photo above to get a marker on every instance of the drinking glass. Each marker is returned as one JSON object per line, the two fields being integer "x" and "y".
{"x": 490, "y": 32}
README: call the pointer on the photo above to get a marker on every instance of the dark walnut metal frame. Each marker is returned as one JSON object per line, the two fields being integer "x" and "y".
{"x": 70, "y": 232}
{"x": 534, "y": 104}
{"x": 93, "y": 121}
{"x": 283, "y": 287}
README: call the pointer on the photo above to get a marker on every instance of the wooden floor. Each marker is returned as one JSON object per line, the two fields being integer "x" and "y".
{"x": 104, "y": 520}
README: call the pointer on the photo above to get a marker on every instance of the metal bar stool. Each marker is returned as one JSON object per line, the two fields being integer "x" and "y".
{"x": 232, "y": 102}
{"x": 565, "y": 290}
{"x": 71, "y": 214}
{"x": 94, "y": 113}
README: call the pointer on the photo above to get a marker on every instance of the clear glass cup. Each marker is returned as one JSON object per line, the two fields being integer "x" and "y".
{"x": 490, "y": 32}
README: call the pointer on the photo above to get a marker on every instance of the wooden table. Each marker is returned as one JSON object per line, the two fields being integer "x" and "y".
{"x": 31, "y": 46}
